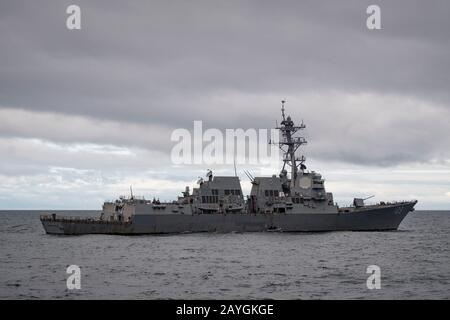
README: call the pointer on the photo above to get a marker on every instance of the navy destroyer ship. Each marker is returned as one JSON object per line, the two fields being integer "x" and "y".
{"x": 293, "y": 201}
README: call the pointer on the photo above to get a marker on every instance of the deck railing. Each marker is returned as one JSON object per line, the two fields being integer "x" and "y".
{"x": 54, "y": 217}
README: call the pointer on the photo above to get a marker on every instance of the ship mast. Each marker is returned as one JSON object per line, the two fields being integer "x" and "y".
{"x": 288, "y": 129}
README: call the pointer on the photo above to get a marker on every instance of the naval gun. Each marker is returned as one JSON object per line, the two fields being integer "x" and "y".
{"x": 359, "y": 202}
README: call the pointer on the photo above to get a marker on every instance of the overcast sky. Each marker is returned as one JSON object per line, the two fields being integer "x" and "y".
{"x": 86, "y": 113}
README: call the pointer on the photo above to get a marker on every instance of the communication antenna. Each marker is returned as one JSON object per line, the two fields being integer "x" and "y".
{"x": 289, "y": 145}
{"x": 282, "y": 108}
{"x": 234, "y": 163}
{"x": 249, "y": 175}
{"x": 131, "y": 191}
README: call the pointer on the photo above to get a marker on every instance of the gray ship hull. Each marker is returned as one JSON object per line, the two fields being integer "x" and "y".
{"x": 370, "y": 218}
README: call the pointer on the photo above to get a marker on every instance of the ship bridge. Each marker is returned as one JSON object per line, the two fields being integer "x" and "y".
{"x": 219, "y": 193}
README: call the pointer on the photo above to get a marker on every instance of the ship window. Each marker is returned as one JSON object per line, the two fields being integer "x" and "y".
{"x": 295, "y": 200}
{"x": 212, "y": 199}
{"x": 271, "y": 193}
{"x": 215, "y": 192}
{"x": 227, "y": 192}
{"x": 238, "y": 192}
{"x": 276, "y": 193}
{"x": 203, "y": 199}
{"x": 266, "y": 192}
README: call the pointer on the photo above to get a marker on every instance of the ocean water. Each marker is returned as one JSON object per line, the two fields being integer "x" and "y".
{"x": 414, "y": 263}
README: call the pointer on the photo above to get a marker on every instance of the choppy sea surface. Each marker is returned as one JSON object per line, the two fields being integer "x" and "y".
{"x": 414, "y": 263}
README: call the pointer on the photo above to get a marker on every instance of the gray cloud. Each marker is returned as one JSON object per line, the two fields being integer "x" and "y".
{"x": 149, "y": 60}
